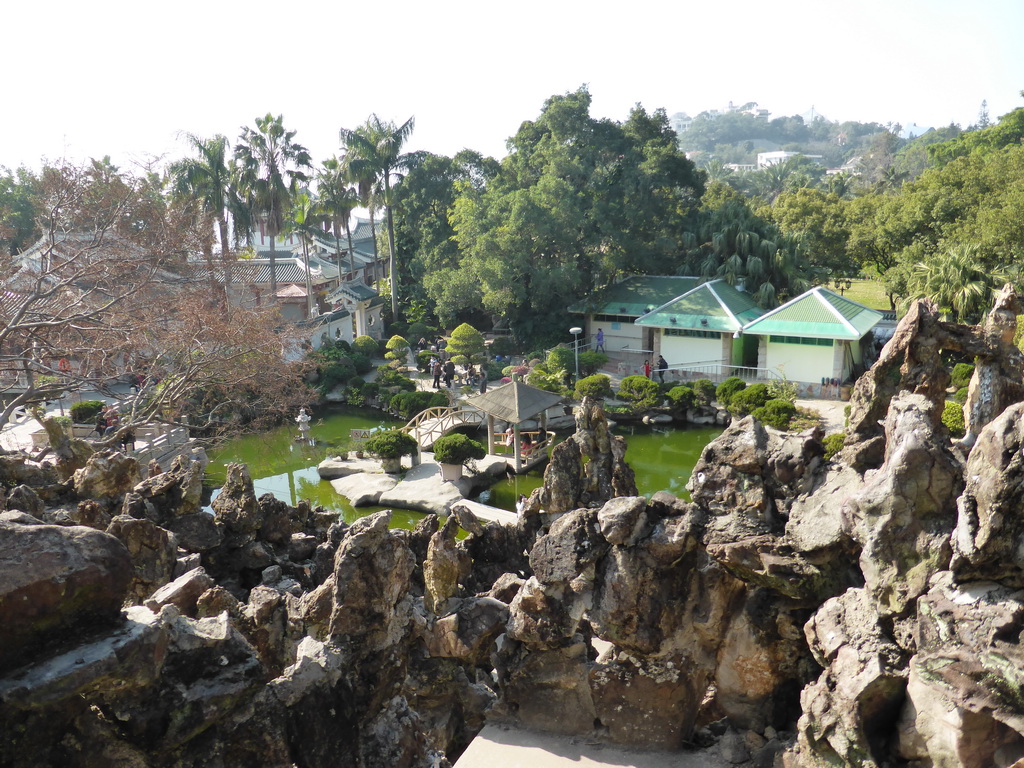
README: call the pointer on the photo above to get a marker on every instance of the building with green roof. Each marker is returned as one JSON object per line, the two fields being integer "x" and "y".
{"x": 701, "y": 328}
{"x": 818, "y": 335}
{"x": 615, "y": 308}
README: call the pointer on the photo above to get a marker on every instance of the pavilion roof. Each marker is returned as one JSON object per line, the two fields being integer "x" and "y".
{"x": 514, "y": 402}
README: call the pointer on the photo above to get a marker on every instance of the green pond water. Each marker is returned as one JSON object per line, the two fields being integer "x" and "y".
{"x": 662, "y": 458}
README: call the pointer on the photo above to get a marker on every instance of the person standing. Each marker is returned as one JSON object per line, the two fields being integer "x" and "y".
{"x": 647, "y": 368}
{"x": 449, "y": 373}
{"x": 662, "y": 367}
{"x": 435, "y": 370}
{"x": 599, "y": 341}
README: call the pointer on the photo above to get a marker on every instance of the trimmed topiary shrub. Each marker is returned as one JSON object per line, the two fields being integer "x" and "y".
{"x": 466, "y": 345}
{"x": 728, "y": 388}
{"x": 748, "y": 399}
{"x": 834, "y": 444}
{"x": 365, "y": 345}
{"x": 960, "y": 396}
{"x": 86, "y": 411}
{"x": 682, "y": 398}
{"x": 361, "y": 362}
{"x": 457, "y": 448}
{"x": 391, "y": 444}
{"x": 962, "y": 373}
{"x": 333, "y": 374}
{"x": 640, "y": 392}
{"x": 704, "y": 390}
{"x": 599, "y": 386}
{"x": 953, "y": 418}
{"x": 397, "y": 350}
{"x": 591, "y": 362}
{"x": 775, "y": 413}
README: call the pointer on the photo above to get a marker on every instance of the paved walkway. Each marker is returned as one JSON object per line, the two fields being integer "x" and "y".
{"x": 498, "y": 746}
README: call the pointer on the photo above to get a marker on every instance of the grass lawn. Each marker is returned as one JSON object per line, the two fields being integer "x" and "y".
{"x": 870, "y": 293}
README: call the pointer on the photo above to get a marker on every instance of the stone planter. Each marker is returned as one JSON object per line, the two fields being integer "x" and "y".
{"x": 391, "y": 466}
{"x": 450, "y": 472}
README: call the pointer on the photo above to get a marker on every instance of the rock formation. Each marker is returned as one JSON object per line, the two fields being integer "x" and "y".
{"x": 863, "y": 611}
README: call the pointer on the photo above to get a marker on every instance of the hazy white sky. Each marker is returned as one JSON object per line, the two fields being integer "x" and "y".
{"x": 124, "y": 78}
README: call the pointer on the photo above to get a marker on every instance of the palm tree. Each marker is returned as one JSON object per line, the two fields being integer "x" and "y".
{"x": 206, "y": 180}
{"x": 957, "y": 280}
{"x": 304, "y": 218}
{"x": 339, "y": 199}
{"x": 376, "y": 147}
{"x": 270, "y": 167}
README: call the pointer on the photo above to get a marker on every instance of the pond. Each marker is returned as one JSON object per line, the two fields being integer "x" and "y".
{"x": 662, "y": 458}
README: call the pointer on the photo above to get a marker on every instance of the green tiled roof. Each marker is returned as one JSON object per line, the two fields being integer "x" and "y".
{"x": 714, "y": 306}
{"x": 635, "y": 295}
{"x": 818, "y": 314}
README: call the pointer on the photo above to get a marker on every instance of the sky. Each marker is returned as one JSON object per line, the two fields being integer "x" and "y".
{"x": 127, "y": 79}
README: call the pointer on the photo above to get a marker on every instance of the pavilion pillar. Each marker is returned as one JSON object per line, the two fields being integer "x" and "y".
{"x": 490, "y": 434}
{"x": 518, "y": 448}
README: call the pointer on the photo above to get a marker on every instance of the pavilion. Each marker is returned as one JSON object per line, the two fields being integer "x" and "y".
{"x": 515, "y": 402}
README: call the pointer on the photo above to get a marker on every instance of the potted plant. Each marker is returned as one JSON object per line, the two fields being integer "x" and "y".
{"x": 390, "y": 446}
{"x": 452, "y": 452}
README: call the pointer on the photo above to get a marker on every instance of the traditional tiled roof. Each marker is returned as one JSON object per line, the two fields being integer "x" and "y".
{"x": 324, "y": 319}
{"x": 635, "y": 295}
{"x": 291, "y": 292}
{"x": 714, "y": 306}
{"x": 353, "y": 291}
{"x": 515, "y": 402}
{"x": 817, "y": 314}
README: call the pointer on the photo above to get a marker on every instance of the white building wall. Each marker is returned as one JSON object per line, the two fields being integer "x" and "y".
{"x": 684, "y": 350}
{"x": 802, "y": 363}
{"x": 617, "y": 336}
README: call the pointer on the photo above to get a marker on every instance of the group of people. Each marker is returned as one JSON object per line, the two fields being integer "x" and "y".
{"x": 662, "y": 367}
{"x": 108, "y": 421}
{"x": 447, "y": 372}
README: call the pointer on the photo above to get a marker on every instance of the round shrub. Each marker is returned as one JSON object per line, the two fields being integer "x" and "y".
{"x": 333, "y": 374}
{"x": 591, "y": 362}
{"x": 775, "y": 413}
{"x": 365, "y": 345}
{"x": 599, "y": 386}
{"x": 560, "y": 359}
{"x": 704, "y": 390}
{"x": 457, "y": 448}
{"x": 834, "y": 444}
{"x": 953, "y": 418}
{"x": 389, "y": 377}
{"x": 408, "y": 404}
{"x": 725, "y": 391}
{"x": 361, "y": 362}
{"x": 640, "y": 392}
{"x": 962, "y": 373}
{"x": 370, "y": 390}
{"x": 391, "y": 444}
{"x": 466, "y": 342}
{"x": 494, "y": 371}
{"x": 682, "y": 398}
{"x": 960, "y": 396}
{"x": 85, "y": 412}
{"x": 749, "y": 399}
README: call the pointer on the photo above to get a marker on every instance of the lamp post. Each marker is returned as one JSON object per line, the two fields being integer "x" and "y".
{"x": 576, "y": 331}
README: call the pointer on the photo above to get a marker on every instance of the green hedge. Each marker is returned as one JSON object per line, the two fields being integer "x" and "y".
{"x": 365, "y": 345}
{"x": 591, "y": 362}
{"x": 682, "y": 398}
{"x": 725, "y": 391}
{"x": 704, "y": 389}
{"x": 962, "y": 373}
{"x": 775, "y": 413}
{"x": 457, "y": 448}
{"x": 391, "y": 444}
{"x": 599, "y": 386}
{"x": 953, "y": 418}
{"x": 749, "y": 399}
{"x": 642, "y": 393}
{"x": 408, "y": 404}
{"x": 86, "y": 411}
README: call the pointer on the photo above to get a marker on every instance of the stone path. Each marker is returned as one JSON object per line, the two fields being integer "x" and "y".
{"x": 498, "y": 746}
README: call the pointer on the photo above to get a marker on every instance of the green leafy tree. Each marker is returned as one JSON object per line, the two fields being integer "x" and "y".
{"x": 18, "y": 226}
{"x": 956, "y": 282}
{"x": 398, "y": 350}
{"x": 271, "y": 167}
